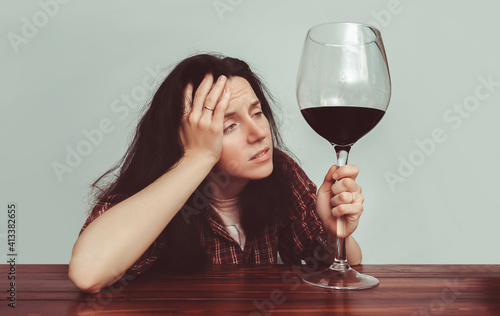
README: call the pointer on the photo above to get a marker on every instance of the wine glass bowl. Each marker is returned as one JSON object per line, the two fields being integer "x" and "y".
{"x": 343, "y": 65}
{"x": 343, "y": 90}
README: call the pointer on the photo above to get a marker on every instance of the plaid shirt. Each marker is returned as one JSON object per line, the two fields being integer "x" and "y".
{"x": 301, "y": 238}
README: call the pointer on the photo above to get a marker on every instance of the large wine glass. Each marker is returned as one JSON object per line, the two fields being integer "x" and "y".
{"x": 343, "y": 90}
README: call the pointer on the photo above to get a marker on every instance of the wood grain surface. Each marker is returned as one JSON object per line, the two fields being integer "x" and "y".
{"x": 259, "y": 290}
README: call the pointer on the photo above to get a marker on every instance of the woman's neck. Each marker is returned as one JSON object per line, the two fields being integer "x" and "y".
{"x": 226, "y": 187}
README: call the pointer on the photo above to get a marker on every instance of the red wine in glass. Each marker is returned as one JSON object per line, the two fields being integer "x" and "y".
{"x": 343, "y": 90}
{"x": 342, "y": 125}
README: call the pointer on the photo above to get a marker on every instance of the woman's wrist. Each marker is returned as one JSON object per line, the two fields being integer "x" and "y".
{"x": 200, "y": 157}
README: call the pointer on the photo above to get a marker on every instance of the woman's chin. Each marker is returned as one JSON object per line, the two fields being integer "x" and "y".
{"x": 261, "y": 173}
{"x": 252, "y": 173}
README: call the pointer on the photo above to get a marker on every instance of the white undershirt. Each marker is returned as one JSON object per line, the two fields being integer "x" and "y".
{"x": 229, "y": 212}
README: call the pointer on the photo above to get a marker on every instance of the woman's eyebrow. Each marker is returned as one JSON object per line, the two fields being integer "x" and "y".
{"x": 254, "y": 103}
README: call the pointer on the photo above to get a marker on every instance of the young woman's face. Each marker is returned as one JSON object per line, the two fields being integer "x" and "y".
{"x": 247, "y": 147}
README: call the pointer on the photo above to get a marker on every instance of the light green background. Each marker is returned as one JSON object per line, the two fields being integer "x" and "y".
{"x": 68, "y": 77}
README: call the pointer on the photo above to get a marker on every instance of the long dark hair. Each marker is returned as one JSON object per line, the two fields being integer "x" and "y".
{"x": 156, "y": 148}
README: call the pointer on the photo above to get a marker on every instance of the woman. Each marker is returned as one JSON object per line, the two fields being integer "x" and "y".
{"x": 206, "y": 180}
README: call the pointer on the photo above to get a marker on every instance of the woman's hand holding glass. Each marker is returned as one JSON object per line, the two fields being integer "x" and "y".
{"x": 338, "y": 196}
{"x": 201, "y": 127}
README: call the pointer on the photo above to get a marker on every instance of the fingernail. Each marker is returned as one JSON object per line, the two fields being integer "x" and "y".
{"x": 335, "y": 175}
{"x": 222, "y": 78}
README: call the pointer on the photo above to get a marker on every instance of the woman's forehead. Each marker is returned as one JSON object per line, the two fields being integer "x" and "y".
{"x": 241, "y": 91}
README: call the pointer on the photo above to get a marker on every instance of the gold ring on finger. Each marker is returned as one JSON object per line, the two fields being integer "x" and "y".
{"x": 206, "y": 107}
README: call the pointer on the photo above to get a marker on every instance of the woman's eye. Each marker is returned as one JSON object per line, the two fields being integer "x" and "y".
{"x": 229, "y": 128}
{"x": 258, "y": 114}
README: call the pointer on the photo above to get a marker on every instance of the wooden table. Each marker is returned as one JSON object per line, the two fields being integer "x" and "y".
{"x": 260, "y": 290}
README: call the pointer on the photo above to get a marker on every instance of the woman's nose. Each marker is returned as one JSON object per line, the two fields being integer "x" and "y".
{"x": 255, "y": 132}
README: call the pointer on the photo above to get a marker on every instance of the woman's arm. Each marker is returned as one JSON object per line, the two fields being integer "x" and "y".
{"x": 118, "y": 237}
{"x": 353, "y": 251}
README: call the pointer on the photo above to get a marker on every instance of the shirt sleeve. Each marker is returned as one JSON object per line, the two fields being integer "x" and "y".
{"x": 147, "y": 258}
{"x": 303, "y": 236}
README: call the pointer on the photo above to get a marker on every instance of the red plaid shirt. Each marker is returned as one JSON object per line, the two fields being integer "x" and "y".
{"x": 301, "y": 238}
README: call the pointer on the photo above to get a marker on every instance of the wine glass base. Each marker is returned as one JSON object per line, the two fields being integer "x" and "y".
{"x": 340, "y": 279}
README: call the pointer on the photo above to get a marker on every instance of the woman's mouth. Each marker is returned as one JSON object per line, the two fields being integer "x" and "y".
{"x": 261, "y": 155}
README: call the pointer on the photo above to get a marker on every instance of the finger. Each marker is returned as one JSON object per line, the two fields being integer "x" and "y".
{"x": 212, "y": 98}
{"x": 346, "y": 171}
{"x": 200, "y": 95}
{"x": 328, "y": 180}
{"x": 347, "y": 198}
{"x": 220, "y": 109}
{"x": 345, "y": 184}
{"x": 216, "y": 93}
{"x": 188, "y": 100}
{"x": 323, "y": 206}
{"x": 353, "y": 211}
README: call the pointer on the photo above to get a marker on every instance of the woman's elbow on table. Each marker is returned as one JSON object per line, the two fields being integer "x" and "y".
{"x": 83, "y": 282}
{"x": 89, "y": 288}
{"x": 87, "y": 282}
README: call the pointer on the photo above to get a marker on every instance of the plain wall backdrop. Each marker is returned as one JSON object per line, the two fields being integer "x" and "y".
{"x": 429, "y": 170}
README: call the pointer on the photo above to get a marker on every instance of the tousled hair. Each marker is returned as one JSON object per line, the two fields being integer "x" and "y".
{"x": 156, "y": 148}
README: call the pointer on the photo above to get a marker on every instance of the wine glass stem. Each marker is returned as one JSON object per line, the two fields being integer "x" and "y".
{"x": 340, "y": 261}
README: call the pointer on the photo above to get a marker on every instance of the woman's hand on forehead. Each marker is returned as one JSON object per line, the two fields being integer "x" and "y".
{"x": 201, "y": 127}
